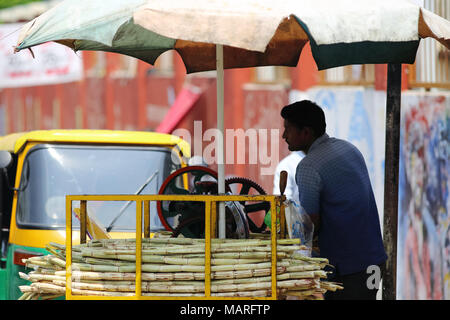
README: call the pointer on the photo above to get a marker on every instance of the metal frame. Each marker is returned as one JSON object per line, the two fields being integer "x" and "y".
{"x": 143, "y": 207}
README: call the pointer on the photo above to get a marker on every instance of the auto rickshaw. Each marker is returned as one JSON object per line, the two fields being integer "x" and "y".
{"x": 39, "y": 168}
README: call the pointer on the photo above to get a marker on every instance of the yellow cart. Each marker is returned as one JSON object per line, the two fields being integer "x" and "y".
{"x": 142, "y": 203}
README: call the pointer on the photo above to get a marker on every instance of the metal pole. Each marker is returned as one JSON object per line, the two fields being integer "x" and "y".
{"x": 220, "y": 140}
{"x": 391, "y": 173}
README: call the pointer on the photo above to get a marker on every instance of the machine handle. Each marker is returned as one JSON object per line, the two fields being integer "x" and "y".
{"x": 283, "y": 181}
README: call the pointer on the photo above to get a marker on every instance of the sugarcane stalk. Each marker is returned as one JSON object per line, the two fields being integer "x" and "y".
{"x": 331, "y": 286}
{"x": 155, "y": 257}
{"x": 118, "y": 278}
{"x": 248, "y": 255}
{"x": 103, "y": 268}
{"x": 156, "y": 282}
{"x": 298, "y": 283}
{"x": 170, "y": 276}
{"x": 44, "y": 277}
{"x": 170, "y": 260}
{"x": 169, "y": 268}
{"x": 107, "y": 262}
{"x": 43, "y": 287}
{"x": 33, "y": 296}
{"x": 108, "y": 253}
{"x": 282, "y": 276}
{"x": 45, "y": 271}
{"x": 146, "y": 286}
{"x": 53, "y": 251}
{"x": 215, "y": 244}
{"x": 57, "y": 246}
{"x": 256, "y": 293}
{"x": 299, "y": 256}
{"x": 176, "y": 267}
{"x": 79, "y": 292}
{"x": 298, "y": 268}
{"x": 56, "y": 261}
{"x": 38, "y": 263}
{"x": 25, "y": 289}
{"x": 159, "y": 294}
{"x": 24, "y": 296}
{"x": 195, "y": 288}
{"x": 314, "y": 297}
{"x": 259, "y": 235}
{"x": 24, "y": 276}
{"x": 86, "y": 275}
{"x": 190, "y": 241}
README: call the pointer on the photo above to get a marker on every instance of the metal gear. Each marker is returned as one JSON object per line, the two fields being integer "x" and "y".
{"x": 245, "y": 182}
{"x": 194, "y": 227}
{"x": 187, "y": 218}
{"x": 170, "y": 212}
{"x": 250, "y": 207}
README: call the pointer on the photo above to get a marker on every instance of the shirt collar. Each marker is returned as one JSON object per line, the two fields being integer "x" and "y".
{"x": 318, "y": 141}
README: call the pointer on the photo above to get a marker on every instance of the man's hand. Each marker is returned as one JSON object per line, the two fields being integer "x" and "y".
{"x": 315, "y": 219}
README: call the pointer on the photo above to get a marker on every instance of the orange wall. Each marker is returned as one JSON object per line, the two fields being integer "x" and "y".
{"x": 140, "y": 102}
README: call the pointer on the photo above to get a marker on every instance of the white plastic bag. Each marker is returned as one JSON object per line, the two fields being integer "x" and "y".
{"x": 299, "y": 225}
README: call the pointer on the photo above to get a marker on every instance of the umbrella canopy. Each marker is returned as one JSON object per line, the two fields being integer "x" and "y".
{"x": 213, "y": 34}
{"x": 253, "y": 32}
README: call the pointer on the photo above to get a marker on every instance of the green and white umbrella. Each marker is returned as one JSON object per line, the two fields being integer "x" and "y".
{"x": 213, "y": 35}
{"x": 253, "y": 32}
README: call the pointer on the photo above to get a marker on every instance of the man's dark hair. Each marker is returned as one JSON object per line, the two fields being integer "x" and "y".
{"x": 305, "y": 113}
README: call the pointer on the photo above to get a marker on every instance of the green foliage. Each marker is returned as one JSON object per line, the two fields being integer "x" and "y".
{"x": 11, "y": 3}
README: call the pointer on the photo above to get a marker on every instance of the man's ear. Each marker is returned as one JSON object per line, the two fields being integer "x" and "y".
{"x": 309, "y": 132}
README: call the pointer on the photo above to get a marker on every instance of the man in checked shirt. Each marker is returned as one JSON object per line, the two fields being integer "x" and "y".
{"x": 335, "y": 191}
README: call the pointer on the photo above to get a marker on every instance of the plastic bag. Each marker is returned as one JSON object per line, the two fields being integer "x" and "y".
{"x": 299, "y": 225}
{"x": 268, "y": 219}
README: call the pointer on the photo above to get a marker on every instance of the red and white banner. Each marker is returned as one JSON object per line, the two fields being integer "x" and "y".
{"x": 52, "y": 63}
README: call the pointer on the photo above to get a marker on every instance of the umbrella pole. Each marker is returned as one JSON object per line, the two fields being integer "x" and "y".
{"x": 220, "y": 142}
{"x": 391, "y": 177}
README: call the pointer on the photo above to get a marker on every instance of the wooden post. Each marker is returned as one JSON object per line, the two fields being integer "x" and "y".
{"x": 391, "y": 174}
{"x": 146, "y": 219}
{"x": 83, "y": 219}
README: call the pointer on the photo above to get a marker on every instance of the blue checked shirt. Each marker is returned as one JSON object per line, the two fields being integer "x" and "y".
{"x": 333, "y": 182}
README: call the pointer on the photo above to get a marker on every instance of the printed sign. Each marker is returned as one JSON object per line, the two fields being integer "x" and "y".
{"x": 52, "y": 62}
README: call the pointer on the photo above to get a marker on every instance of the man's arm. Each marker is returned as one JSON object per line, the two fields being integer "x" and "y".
{"x": 315, "y": 219}
{"x": 309, "y": 185}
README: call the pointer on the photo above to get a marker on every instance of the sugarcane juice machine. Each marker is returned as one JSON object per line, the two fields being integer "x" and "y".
{"x": 187, "y": 218}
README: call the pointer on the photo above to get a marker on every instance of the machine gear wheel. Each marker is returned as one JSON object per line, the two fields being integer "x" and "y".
{"x": 249, "y": 187}
{"x": 187, "y": 218}
{"x": 169, "y": 211}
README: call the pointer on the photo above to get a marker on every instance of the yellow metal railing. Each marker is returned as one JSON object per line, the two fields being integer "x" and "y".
{"x": 142, "y": 202}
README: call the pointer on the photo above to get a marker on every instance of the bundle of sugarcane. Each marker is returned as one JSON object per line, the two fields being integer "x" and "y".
{"x": 176, "y": 267}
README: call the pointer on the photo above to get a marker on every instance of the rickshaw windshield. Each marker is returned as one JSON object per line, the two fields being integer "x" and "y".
{"x": 50, "y": 172}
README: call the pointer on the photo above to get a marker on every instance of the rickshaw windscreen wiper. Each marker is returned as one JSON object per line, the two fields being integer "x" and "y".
{"x": 108, "y": 229}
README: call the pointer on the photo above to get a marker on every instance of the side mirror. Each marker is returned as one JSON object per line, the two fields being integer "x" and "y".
{"x": 5, "y": 159}
{"x": 197, "y": 161}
